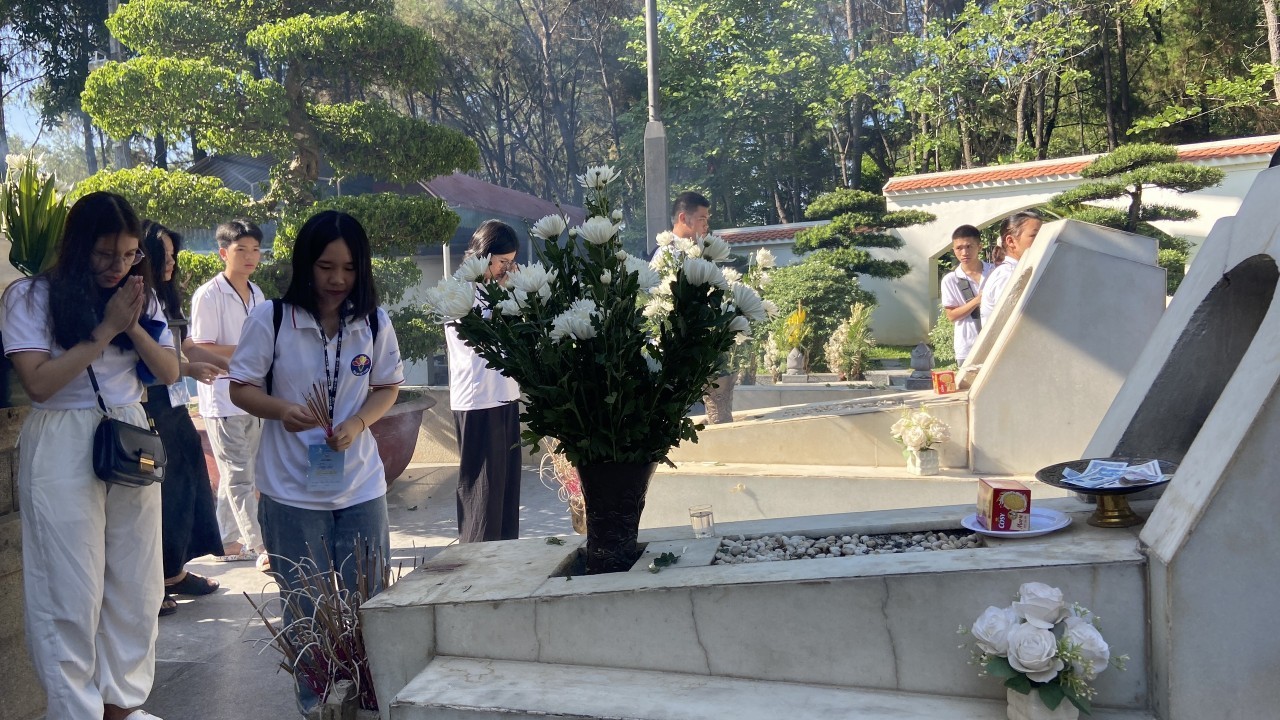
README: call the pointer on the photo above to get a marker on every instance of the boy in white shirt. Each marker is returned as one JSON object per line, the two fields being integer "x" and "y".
{"x": 218, "y": 311}
{"x": 961, "y": 293}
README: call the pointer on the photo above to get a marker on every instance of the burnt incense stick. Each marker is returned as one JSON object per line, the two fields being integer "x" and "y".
{"x": 318, "y": 408}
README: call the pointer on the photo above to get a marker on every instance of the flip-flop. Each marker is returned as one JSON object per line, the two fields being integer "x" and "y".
{"x": 244, "y": 555}
{"x": 192, "y": 584}
{"x": 168, "y": 606}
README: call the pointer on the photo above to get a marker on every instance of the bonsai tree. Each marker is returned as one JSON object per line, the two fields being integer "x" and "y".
{"x": 1123, "y": 175}
{"x": 295, "y": 84}
{"x": 859, "y": 222}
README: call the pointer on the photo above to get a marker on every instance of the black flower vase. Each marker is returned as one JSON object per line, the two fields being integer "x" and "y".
{"x": 614, "y": 496}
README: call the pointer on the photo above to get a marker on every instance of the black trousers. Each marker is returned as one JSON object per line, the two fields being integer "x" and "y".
{"x": 488, "y": 473}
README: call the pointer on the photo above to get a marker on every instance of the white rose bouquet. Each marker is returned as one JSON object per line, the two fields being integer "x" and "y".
{"x": 609, "y": 351}
{"x": 1040, "y": 643}
{"x": 918, "y": 430}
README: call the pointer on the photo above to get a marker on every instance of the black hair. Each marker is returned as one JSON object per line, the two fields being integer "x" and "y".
{"x": 317, "y": 232}
{"x": 966, "y": 231}
{"x": 232, "y": 230}
{"x": 493, "y": 237}
{"x": 169, "y": 291}
{"x": 1014, "y": 222}
{"x": 688, "y": 202}
{"x": 76, "y": 302}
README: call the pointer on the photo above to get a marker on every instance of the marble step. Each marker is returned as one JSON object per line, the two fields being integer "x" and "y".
{"x": 457, "y": 688}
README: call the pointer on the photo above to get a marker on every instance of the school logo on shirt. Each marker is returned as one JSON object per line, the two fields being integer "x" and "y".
{"x": 360, "y": 364}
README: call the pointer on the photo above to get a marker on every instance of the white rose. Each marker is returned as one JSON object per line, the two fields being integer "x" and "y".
{"x": 765, "y": 259}
{"x": 1040, "y": 605}
{"x": 914, "y": 438}
{"x": 616, "y": 216}
{"x": 1034, "y": 651}
{"x": 701, "y": 272}
{"x": 450, "y": 299}
{"x": 715, "y": 249}
{"x": 597, "y": 230}
{"x": 749, "y": 302}
{"x": 921, "y": 418}
{"x": 472, "y": 268}
{"x": 1094, "y": 651}
{"x": 665, "y": 238}
{"x": 991, "y": 630}
{"x": 550, "y": 227}
{"x": 939, "y": 431}
{"x": 898, "y": 427}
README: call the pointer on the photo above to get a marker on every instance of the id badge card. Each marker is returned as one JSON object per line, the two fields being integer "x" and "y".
{"x": 324, "y": 468}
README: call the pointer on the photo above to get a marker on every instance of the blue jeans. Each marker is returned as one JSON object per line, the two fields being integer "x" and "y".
{"x": 302, "y": 542}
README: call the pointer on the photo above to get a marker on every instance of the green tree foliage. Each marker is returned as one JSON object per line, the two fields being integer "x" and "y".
{"x": 942, "y": 340}
{"x": 273, "y": 79}
{"x": 825, "y": 292}
{"x": 859, "y": 221}
{"x": 1123, "y": 176}
{"x": 176, "y": 199}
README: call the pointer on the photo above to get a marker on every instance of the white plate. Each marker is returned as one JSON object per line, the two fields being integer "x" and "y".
{"x": 1043, "y": 521}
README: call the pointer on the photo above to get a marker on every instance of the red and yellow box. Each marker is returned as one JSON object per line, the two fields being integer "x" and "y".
{"x": 1004, "y": 505}
{"x": 944, "y": 381}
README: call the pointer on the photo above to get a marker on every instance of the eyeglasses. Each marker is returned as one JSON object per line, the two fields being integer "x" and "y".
{"x": 109, "y": 260}
{"x": 503, "y": 264}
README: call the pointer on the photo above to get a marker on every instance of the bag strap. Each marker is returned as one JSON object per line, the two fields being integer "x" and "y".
{"x": 277, "y": 317}
{"x": 93, "y": 380}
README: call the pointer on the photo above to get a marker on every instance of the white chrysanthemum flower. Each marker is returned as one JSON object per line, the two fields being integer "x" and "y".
{"x": 575, "y": 322}
{"x": 596, "y": 178}
{"x": 533, "y": 279}
{"x": 550, "y": 227}
{"x": 731, "y": 276}
{"x": 597, "y": 230}
{"x": 606, "y": 277}
{"x": 665, "y": 238}
{"x": 765, "y": 259}
{"x": 701, "y": 272}
{"x": 749, "y": 302}
{"x": 658, "y": 307}
{"x": 510, "y": 306}
{"x": 616, "y": 216}
{"x": 684, "y": 245}
{"x": 647, "y": 277}
{"x": 664, "y": 285}
{"x": 621, "y": 255}
{"x": 764, "y": 279}
{"x": 450, "y": 299}
{"x": 655, "y": 367}
{"x": 742, "y": 327}
{"x": 770, "y": 308}
{"x": 715, "y": 249}
{"x": 472, "y": 268}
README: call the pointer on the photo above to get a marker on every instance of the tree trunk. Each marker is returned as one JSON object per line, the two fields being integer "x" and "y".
{"x": 303, "y": 170}
{"x": 4, "y": 135}
{"x": 1122, "y": 76}
{"x": 1107, "y": 92}
{"x": 90, "y": 155}
{"x": 852, "y": 23}
{"x": 197, "y": 152}
{"x": 1273, "y": 42}
{"x": 162, "y": 153}
{"x": 1019, "y": 117}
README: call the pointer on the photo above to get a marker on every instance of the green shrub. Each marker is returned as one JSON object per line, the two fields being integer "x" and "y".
{"x": 847, "y": 350}
{"x": 942, "y": 340}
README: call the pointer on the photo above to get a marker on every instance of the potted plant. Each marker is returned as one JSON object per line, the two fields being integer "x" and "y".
{"x": 918, "y": 431}
{"x": 32, "y": 215}
{"x": 1045, "y": 651}
{"x": 609, "y": 352}
{"x": 795, "y": 337}
{"x": 850, "y": 345}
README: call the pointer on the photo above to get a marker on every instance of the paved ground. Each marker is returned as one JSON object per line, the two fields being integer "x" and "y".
{"x": 211, "y": 658}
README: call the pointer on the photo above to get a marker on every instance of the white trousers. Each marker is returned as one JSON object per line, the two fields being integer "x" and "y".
{"x": 91, "y": 568}
{"x": 234, "y": 441}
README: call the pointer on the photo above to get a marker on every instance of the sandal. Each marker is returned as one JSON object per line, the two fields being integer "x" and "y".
{"x": 244, "y": 555}
{"x": 264, "y": 563}
{"x": 192, "y": 584}
{"x": 168, "y": 605}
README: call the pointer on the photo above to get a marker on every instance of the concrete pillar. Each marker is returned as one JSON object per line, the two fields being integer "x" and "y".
{"x": 656, "y": 194}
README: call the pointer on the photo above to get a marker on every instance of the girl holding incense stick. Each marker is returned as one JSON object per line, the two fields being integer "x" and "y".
{"x": 313, "y": 369}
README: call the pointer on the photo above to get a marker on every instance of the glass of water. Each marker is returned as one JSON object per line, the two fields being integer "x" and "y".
{"x": 702, "y": 521}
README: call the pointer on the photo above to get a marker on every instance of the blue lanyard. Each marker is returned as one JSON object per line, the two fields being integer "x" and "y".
{"x": 331, "y": 381}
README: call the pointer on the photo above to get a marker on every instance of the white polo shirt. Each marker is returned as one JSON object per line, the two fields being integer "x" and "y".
{"x": 966, "y": 328}
{"x": 27, "y": 327}
{"x": 298, "y": 353}
{"x": 473, "y": 385}
{"x": 993, "y": 287}
{"x": 217, "y": 316}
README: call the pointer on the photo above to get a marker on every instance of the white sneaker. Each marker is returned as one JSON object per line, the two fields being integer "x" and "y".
{"x": 141, "y": 714}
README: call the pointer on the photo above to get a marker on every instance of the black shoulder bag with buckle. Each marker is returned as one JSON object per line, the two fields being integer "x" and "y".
{"x": 125, "y": 454}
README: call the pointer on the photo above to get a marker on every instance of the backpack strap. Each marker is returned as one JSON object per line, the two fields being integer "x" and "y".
{"x": 277, "y": 316}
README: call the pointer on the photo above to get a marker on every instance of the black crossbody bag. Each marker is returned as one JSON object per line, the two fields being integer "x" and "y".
{"x": 125, "y": 454}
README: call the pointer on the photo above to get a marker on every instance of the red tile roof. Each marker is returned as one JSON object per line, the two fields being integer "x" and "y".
{"x": 461, "y": 190}
{"x": 765, "y": 233}
{"x": 1045, "y": 169}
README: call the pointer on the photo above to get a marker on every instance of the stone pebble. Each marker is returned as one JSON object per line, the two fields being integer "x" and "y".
{"x": 767, "y": 548}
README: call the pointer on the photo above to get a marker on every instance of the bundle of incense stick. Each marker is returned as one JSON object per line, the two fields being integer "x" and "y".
{"x": 318, "y": 407}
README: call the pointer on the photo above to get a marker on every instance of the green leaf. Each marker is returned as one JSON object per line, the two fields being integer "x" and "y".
{"x": 1019, "y": 683}
{"x": 999, "y": 667}
{"x": 1051, "y": 695}
{"x": 554, "y": 541}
